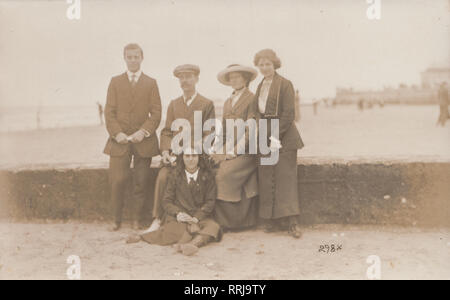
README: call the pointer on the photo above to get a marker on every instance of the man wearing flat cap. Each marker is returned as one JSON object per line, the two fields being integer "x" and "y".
{"x": 132, "y": 115}
{"x": 181, "y": 108}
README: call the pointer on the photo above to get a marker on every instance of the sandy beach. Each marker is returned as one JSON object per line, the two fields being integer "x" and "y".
{"x": 40, "y": 251}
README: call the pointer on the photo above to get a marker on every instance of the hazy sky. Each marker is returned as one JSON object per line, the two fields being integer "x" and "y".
{"x": 46, "y": 57}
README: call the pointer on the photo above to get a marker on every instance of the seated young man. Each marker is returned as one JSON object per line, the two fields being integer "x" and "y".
{"x": 188, "y": 202}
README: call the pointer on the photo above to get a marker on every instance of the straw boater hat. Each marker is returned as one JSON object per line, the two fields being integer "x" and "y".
{"x": 224, "y": 78}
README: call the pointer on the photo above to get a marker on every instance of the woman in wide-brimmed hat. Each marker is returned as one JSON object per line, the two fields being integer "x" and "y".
{"x": 278, "y": 190}
{"x": 236, "y": 178}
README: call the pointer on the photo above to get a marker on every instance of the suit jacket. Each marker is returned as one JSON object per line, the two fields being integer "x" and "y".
{"x": 281, "y": 105}
{"x": 130, "y": 109}
{"x": 245, "y": 108}
{"x": 197, "y": 202}
{"x": 179, "y": 110}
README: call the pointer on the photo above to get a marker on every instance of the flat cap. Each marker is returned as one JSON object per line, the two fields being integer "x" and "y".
{"x": 186, "y": 68}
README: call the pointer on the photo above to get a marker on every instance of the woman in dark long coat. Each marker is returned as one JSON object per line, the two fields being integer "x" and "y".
{"x": 237, "y": 185}
{"x": 278, "y": 185}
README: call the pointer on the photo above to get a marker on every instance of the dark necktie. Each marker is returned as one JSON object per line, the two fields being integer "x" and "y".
{"x": 191, "y": 182}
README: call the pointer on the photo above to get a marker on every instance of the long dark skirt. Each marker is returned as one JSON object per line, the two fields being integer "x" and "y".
{"x": 278, "y": 187}
{"x": 237, "y": 190}
{"x": 236, "y": 215}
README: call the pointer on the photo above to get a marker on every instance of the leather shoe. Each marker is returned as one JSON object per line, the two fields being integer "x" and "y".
{"x": 189, "y": 249}
{"x": 295, "y": 231}
{"x": 134, "y": 238}
{"x": 271, "y": 228}
{"x": 115, "y": 227}
{"x": 138, "y": 226}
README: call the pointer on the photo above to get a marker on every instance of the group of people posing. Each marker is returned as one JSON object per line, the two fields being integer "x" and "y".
{"x": 198, "y": 195}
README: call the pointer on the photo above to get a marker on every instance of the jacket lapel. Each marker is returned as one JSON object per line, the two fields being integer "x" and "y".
{"x": 125, "y": 82}
{"x": 242, "y": 100}
{"x": 197, "y": 193}
{"x": 193, "y": 196}
{"x": 227, "y": 107}
{"x": 195, "y": 105}
{"x": 186, "y": 190}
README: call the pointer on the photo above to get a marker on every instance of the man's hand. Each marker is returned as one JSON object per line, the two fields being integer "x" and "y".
{"x": 275, "y": 144}
{"x": 165, "y": 157}
{"x": 138, "y": 136}
{"x": 168, "y": 159}
{"x": 184, "y": 217}
{"x": 121, "y": 138}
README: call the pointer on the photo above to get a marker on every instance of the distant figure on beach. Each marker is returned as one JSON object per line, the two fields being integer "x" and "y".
{"x": 443, "y": 104}
{"x": 100, "y": 112}
{"x": 360, "y": 104}
{"x": 38, "y": 118}
{"x": 131, "y": 98}
{"x": 315, "y": 104}
{"x": 297, "y": 106}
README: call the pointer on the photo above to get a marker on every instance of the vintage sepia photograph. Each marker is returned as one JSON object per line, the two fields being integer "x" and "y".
{"x": 207, "y": 141}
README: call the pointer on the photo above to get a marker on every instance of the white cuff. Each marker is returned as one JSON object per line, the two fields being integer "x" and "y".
{"x": 146, "y": 133}
{"x": 275, "y": 143}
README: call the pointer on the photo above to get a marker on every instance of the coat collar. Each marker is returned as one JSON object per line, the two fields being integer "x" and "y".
{"x": 184, "y": 186}
{"x": 195, "y": 104}
{"x": 138, "y": 74}
{"x": 242, "y": 99}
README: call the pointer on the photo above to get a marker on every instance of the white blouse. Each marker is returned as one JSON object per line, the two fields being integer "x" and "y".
{"x": 263, "y": 94}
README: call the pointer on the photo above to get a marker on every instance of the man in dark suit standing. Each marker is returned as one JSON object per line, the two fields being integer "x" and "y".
{"x": 132, "y": 115}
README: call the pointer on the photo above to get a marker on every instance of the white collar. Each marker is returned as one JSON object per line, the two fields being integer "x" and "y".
{"x": 188, "y": 102}
{"x": 268, "y": 81}
{"x": 237, "y": 93}
{"x": 130, "y": 74}
{"x": 190, "y": 176}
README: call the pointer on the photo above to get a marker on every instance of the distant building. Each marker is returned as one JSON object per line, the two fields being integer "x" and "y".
{"x": 426, "y": 94}
{"x": 433, "y": 77}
